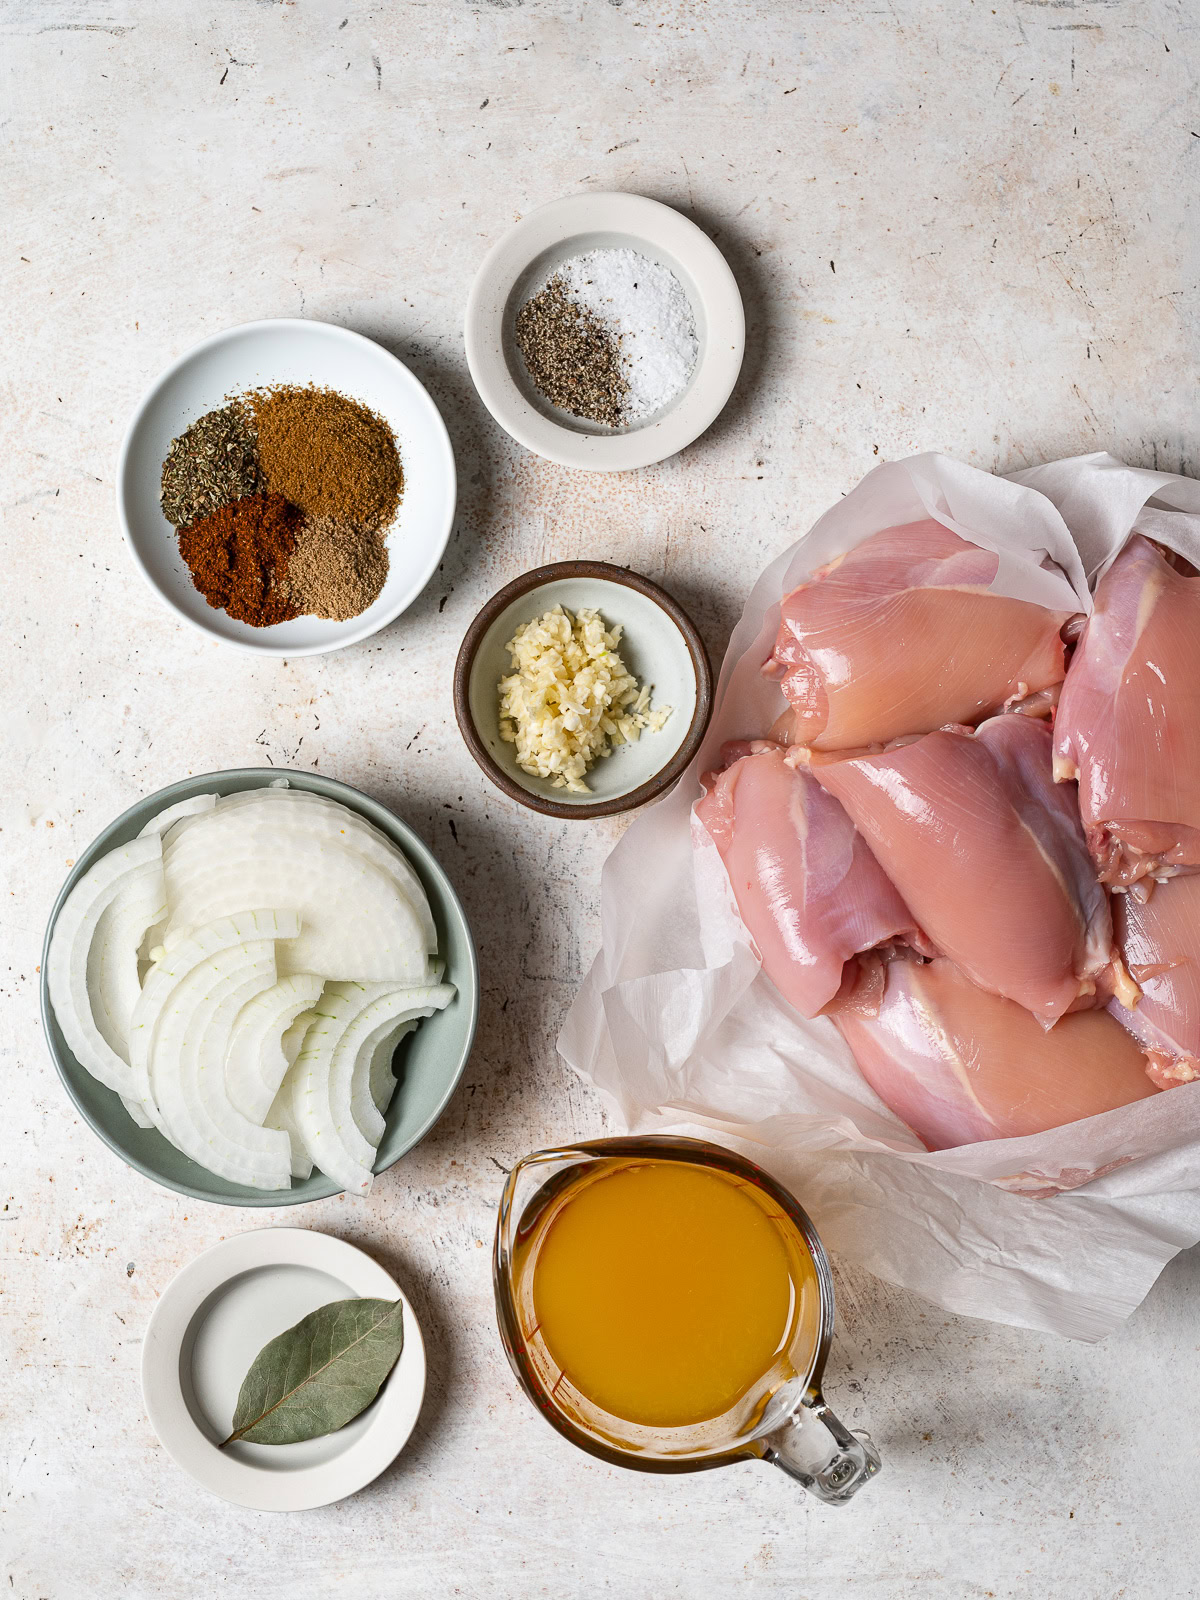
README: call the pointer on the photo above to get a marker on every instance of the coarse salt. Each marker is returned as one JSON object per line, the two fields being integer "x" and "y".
{"x": 644, "y": 306}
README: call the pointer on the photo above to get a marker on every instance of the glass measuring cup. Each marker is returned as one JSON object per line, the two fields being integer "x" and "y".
{"x": 782, "y": 1419}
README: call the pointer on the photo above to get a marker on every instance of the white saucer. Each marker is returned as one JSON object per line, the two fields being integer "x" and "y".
{"x": 521, "y": 260}
{"x": 213, "y": 1319}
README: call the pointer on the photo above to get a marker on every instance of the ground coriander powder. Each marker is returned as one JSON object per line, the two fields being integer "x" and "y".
{"x": 337, "y": 569}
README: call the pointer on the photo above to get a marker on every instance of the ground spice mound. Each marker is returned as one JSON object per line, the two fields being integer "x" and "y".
{"x": 327, "y": 454}
{"x": 238, "y": 558}
{"x": 337, "y": 569}
{"x": 571, "y": 356}
{"x": 209, "y": 464}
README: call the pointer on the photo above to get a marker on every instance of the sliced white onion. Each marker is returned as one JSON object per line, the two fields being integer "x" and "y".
{"x": 381, "y": 1076}
{"x": 382, "y": 1072}
{"x": 113, "y": 982}
{"x": 339, "y": 1150}
{"x": 280, "y": 1115}
{"x": 256, "y": 1064}
{"x": 166, "y": 818}
{"x": 129, "y": 867}
{"x": 323, "y": 1089}
{"x": 188, "y": 1007}
{"x": 160, "y": 824}
{"x": 204, "y": 943}
{"x": 368, "y": 1117}
{"x": 187, "y": 1069}
{"x": 331, "y": 820}
{"x": 406, "y": 1007}
{"x": 356, "y": 922}
{"x": 233, "y": 1043}
{"x": 112, "y": 969}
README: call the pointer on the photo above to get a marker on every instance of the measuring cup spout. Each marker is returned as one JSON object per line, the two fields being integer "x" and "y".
{"x": 821, "y": 1453}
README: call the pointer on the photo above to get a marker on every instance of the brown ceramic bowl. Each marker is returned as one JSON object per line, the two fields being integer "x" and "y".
{"x": 660, "y": 646}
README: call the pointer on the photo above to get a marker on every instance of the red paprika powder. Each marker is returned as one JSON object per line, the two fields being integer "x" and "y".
{"x": 238, "y": 558}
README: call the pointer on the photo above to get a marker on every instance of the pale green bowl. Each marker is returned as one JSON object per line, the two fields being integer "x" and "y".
{"x": 428, "y": 1064}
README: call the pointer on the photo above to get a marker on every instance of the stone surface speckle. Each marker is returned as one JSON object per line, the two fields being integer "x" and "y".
{"x": 955, "y": 226}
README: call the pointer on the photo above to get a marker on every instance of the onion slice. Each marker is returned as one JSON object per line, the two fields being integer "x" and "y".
{"x": 166, "y": 974}
{"x": 280, "y": 1115}
{"x": 323, "y": 1085}
{"x": 130, "y": 867}
{"x": 161, "y": 823}
{"x": 112, "y": 970}
{"x": 367, "y": 1114}
{"x": 256, "y": 1064}
{"x": 356, "y": 922}
{"x": 187, "y": 1068}
{"x": 170, "y": 815}
{"x": 381, "y": 1076}
{"x": 331, "y": 820}
{"x": 406, "y": 1008}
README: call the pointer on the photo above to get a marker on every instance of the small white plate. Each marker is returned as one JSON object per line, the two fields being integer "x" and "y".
{"x": 515, "y": 268}
{"x": 290, "y": 351}
{"x": 213, "y": 1319}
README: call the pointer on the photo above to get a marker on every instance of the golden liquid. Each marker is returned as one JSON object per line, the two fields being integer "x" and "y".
{"x": 667, "y": 1290}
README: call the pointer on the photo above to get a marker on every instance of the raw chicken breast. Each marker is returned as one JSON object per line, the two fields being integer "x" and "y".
{"x": 1128, "y": 719}
{"x": 958, "y": 1064}
{"x": 809, "y": 890}
{"x": 989, "y": 855}
{"x": 1160, "y": 941}
{"x": 901, "y": 636}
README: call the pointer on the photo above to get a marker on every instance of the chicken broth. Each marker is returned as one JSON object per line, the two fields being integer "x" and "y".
{"x": 668, "y": 1291}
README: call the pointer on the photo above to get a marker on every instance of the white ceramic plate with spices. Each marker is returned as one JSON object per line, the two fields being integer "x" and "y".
{"x": 288, "y": 351}
{"x": 531, "y": 252}
{"x": 212, "y": 1320}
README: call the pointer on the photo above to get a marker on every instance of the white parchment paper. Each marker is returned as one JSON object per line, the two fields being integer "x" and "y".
{"x": 676, "y": 1024}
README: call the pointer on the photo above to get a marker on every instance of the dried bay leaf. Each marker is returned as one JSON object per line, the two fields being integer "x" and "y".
{"x": 319, "y": 1375}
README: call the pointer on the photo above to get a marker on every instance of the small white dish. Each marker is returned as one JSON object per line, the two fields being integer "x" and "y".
{"x": 661, "y": 648}
{"x": 213, "y": 1319}
{"x": 517, "y": 266}
{"x": 289, "y": 351}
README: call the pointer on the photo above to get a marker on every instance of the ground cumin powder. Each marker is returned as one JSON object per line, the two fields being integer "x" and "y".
{"x": 238, "y": 558}
{"x": 327, "y": 454}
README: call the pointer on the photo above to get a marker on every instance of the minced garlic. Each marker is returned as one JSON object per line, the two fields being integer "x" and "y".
{"x": 570, "y": 699}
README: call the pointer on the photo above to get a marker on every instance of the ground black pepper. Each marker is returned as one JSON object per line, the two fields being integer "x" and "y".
{"x": 571, "y": 356}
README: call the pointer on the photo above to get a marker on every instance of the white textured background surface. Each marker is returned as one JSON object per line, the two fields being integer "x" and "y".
{"x": 955, "y": 226}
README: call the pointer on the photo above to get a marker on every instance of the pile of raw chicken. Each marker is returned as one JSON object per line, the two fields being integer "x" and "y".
{"x": 973, "y": 840}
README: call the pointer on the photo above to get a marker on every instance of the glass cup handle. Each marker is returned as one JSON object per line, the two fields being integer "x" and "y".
{"x": 821, "y": 1453}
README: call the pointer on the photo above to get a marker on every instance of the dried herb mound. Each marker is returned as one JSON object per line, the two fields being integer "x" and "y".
{"x": 238, "y": 558}
{"x": 337, "y": 569}
{"x": 571, "y": 356}
{"x": 328, "y": 454}
{"x": 209, "y": 464}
